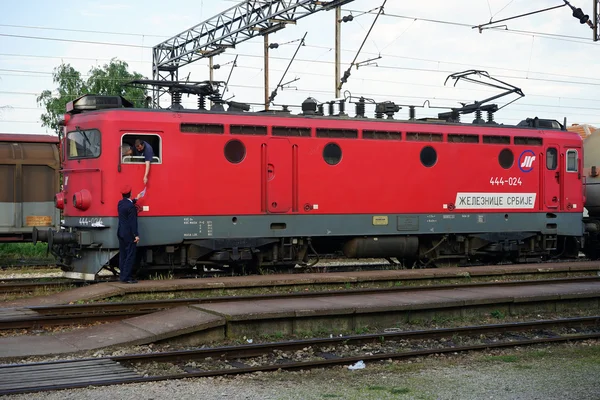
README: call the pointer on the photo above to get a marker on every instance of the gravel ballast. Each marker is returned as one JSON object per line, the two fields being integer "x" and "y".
{"x": 568, "y": 371}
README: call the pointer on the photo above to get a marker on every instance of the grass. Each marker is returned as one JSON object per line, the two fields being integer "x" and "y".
{"x": 505, "y": 358}
{"x": 24, "y": 251}
{"x": 400, "y": 391}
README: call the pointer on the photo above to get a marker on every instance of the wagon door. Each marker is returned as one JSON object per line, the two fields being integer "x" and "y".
{"x": 552, "y": 178}
{"x": 278, "y": 175}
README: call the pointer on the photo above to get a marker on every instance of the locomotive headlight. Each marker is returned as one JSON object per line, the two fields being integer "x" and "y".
{"x": 59, "y": 200}
{"x": 82, "y": 199}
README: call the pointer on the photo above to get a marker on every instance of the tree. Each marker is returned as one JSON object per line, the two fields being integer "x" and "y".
{"x": 105, "y": 80}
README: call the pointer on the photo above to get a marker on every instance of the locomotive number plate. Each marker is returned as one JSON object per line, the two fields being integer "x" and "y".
{"x": 37, "y": 220}
{"x": 379, "y": 220}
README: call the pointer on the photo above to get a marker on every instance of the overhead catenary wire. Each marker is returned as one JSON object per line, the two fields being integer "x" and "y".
{"x": 388, "y": 67}
{"x": 328, "y": 50}
{"x": 38, "y": 73}
{"x": 373, "y": 95}
{"x": 347, "y": 72}
{"x": 588, "y": 41}
{"x": 360, "y": 12}
{"x": 330, "y": 62}
{"x": 274, "y": 93}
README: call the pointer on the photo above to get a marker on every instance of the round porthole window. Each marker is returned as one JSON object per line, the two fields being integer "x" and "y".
{"x": 235, "y": 151}
{"x": 332, "y": 154}
{"x": 506, "y": 158}
{"x": 428, "y": 156}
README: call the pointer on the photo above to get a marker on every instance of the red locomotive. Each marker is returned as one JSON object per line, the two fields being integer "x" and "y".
{"x": 234, "y": 188}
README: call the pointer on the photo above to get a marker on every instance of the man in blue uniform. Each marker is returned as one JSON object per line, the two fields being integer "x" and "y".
{"x": 142, "y": 148}
{"x": 127, "y": 233}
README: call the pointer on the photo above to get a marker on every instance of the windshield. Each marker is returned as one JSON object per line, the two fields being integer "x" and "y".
{"x": 84, "y": 143}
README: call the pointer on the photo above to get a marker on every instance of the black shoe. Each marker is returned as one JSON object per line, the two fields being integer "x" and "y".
{"x": 131, "y": 281}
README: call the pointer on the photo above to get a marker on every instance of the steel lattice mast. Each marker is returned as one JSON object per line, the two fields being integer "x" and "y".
{"x": 235, "y": 25}
{"x": 596, "y": 20}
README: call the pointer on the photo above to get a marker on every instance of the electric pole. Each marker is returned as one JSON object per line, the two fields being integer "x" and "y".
{"x": 266, "y": 57}
{"x": 211, "y": 75}
{"x": 596, "y": 19}
{"x": 338, "y": 40}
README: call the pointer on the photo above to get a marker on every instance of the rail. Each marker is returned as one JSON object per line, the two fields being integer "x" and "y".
{"x": 110, "y": 311}
{"x": 105, "y": 371}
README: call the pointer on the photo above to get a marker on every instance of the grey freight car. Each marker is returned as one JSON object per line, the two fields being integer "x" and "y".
{"x": 29, "y": 179}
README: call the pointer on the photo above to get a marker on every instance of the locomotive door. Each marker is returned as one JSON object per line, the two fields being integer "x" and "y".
{"x": 278, "y": 175}
{"x": 552, "y": 177}
{"x": 571, "y": 183}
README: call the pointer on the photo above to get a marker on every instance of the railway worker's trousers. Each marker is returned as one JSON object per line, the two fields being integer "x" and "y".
{"x": 127, "y": 251}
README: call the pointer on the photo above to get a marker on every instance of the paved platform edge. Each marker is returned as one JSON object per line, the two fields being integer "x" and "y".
{"x": 109, "y": 289}
{"x": 184, "y": 320}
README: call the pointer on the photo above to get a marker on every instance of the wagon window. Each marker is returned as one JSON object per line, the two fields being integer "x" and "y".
{"x": 83, "y": 144}
{"x": 572, "y": 160}
{"x": 128, "y": 150}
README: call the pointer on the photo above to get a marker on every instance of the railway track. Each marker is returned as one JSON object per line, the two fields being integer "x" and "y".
{"x": 35, "y": 284}
{"x": 57, "y": 315}
{"x": 29, "y": 263}
{"x": 70, "y": 374}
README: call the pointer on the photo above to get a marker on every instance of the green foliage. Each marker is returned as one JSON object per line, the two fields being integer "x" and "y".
{"x": 105, "y": 80}
{"x": 23, "y": 251}
{"x": 109, "y": 80}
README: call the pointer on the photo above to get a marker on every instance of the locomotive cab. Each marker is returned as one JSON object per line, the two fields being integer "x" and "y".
{"x": 87, "y": 193}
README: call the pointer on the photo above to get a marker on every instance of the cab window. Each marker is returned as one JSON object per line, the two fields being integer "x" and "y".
{"x": 129, "y": 153}
{"x": 572, "y": 160}
{"x": 83, "y": 144}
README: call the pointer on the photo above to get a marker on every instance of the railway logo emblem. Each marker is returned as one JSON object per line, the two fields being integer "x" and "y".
{"x": 526, "y": 160}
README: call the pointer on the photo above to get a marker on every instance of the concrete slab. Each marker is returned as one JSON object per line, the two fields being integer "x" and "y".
{"x": 92, "y": 292}
{"x": 586, "y": 266}
{"x": 247, "y": 311}
{"x": 176, "y": 321}
{"x": 134, "y": 331}
{"x": 117, "y": 333}
{"x": 282, "y": 308}
{"x": 418, "y": 300}
{"x": 14, "y": 313}
{"x": 511, "y": 294}
{"x": 486, "y": 271}
{"x": 21, "y": 346}
{"x": 368, "y": 276}
{"x": 470, "y": 296}
{"x": 581, "y": 290}
{"x": 104, "y": 290}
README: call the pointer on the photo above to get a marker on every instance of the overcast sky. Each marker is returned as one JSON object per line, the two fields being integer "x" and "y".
{"x": 550, "y": 55}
